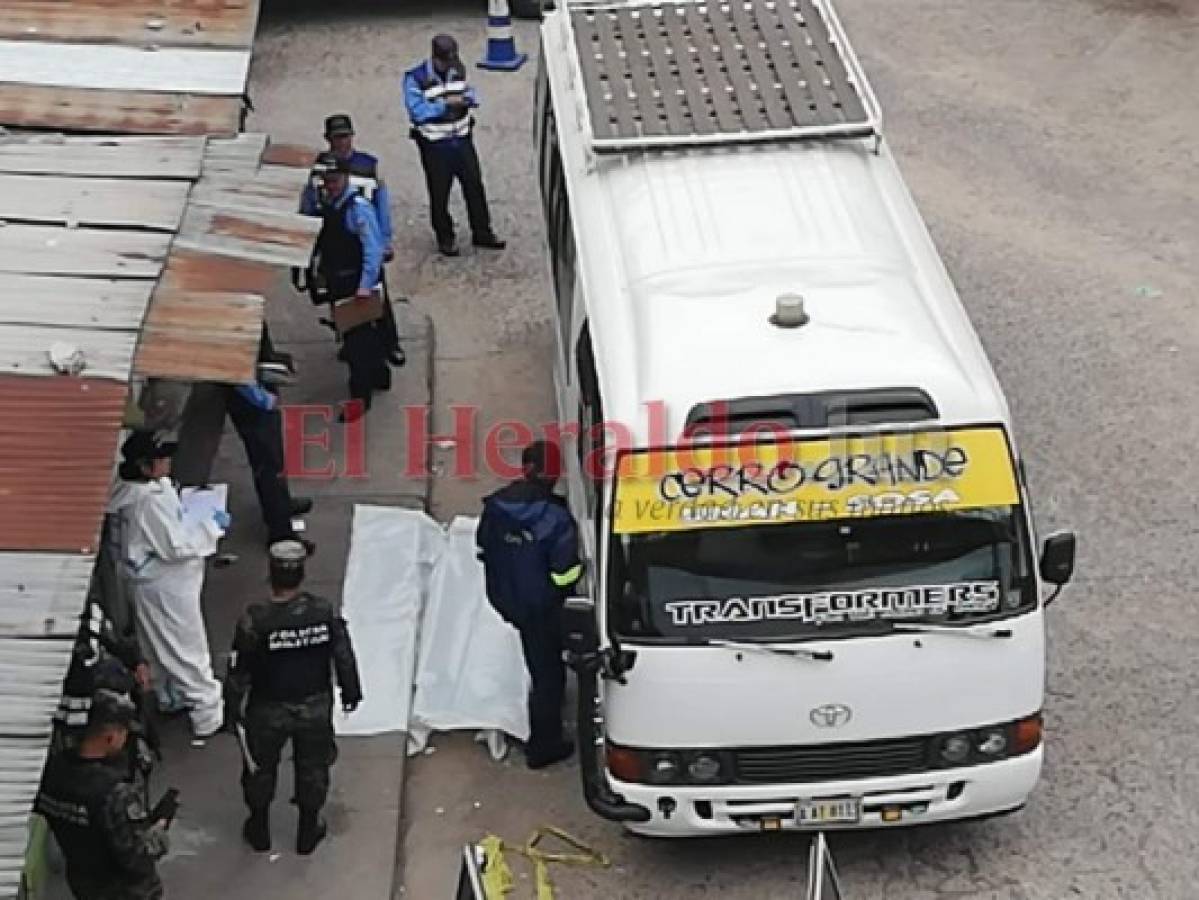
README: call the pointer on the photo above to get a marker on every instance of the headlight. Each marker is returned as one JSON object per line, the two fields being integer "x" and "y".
{"x": 704, "y": 768}
{"x": 956, "y": 749}
{"x": 664, "y": 768}
{"x": 992, "y": 742}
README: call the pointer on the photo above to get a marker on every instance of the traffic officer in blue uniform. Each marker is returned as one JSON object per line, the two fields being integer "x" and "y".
{"x": 439, "y": 102}
{"x": 528, "y": 543}
{"x": 349, "y": 263}
{"x": 364, "y": 175}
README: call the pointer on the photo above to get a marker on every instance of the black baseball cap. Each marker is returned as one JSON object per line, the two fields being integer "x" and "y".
{"x": 331, "y": 162}
{"x": 337, "y": 125}
{"x": 110, "y": 710}
{"x": 143, "y": 446}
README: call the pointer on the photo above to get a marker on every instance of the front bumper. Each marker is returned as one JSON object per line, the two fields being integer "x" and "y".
{"x": 942, "y": 795}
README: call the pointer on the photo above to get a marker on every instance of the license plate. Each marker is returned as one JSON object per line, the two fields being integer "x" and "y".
{"x": 828, "y": 812}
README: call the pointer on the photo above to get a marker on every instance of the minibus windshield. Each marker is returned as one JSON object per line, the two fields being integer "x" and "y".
{"x": 823, "y": 579}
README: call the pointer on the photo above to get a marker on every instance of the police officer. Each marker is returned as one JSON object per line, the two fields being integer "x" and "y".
{"x": 110, "y": 840}
{"x": 283, "y": 650}
{"x": 439, "y": 102}
{"x": 528, "y": 543}
{"x": 364, "y": 175}
{"x": 103, "y": 659}
{"x": 349, "y": 263}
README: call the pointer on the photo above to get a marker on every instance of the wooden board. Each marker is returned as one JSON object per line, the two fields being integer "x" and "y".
{"x": 74, "y": 302}
{"x": 192, "y": 23}
{"x": 45, "y": 250}
{"x": 131, "y": 112}
{"x": 155, "y": 205}
{"x": 122, "y": 157}
{"x": 117, "y": 68}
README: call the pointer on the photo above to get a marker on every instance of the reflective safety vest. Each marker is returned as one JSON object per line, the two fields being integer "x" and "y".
{"x": 456, "y": 122}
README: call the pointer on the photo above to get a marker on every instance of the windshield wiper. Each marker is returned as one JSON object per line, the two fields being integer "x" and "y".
{"x": 974, "y": 631}
{"x": 793, "y": 652}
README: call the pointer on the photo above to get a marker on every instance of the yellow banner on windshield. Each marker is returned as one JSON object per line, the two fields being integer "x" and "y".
{"x": 802, "y": 480}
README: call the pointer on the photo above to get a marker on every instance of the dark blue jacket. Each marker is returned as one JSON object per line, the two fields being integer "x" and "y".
{"x": 528, "y": 542}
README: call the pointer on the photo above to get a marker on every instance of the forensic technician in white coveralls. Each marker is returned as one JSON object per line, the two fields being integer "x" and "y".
{"x": 162, "y": 555}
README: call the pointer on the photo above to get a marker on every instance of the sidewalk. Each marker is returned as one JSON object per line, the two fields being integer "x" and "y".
{"x": 358, "y": 859}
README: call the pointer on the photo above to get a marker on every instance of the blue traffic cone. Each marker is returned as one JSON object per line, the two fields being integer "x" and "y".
{"x": 501, "y": 45}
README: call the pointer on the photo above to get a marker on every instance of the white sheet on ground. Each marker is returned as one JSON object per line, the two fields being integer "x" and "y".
{"x": 470, "y": 672}
{"x": 392, "y": 554}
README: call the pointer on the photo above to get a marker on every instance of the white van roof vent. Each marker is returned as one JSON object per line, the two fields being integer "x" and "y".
{"x": 789, "y": 311}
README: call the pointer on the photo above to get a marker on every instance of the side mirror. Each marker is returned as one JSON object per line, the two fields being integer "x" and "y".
{"x": 1057, "y": 557}
{"x": 579, "y": 626}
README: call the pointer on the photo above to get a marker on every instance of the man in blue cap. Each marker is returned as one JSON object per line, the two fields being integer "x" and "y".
{"x": 364, "y": 176}
{"x": 439, "y": 102}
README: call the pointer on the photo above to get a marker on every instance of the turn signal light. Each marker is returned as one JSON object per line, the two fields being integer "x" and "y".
{"x": 627, "y": 765}
{"x": 1026, "y": 735}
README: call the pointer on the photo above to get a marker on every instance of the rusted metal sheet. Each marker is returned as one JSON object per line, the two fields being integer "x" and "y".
{"x": 281, "y": 239}
{"x": 193, "y": 271}
{"x": 188, "y": 23}
{"x": 248, "y": 195}
{"x": 102, "y": 252}
{"x": 42, "y": 594}
{"x": 156, "y": 205}
{"x": 121, "y": 112}
{"x": 119, "y": 68}
{"x": 100, "y": 303}
{"x": 56, "y": 460}
{"x": 201, "y": 336}
{"x": 103, "y": 157}
{"x": 295, "y": 155}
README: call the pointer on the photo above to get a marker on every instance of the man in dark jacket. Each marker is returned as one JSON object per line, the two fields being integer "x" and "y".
{"x": 111, "y": 841}
{"x": 528, "y": 542}
{"x": 284, "y": 652}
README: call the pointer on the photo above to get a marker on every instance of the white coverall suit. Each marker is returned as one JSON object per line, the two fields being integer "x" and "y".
{"x": 163, "y": 559}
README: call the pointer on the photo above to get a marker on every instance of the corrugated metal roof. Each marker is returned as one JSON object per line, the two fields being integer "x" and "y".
{"x": 113, "y": 67}
{"x": 113, "y": 202}
{"x": 103, "y": 157}
{"x": 190, "y": 270}
{"x": 107, "y": 353}
{"x": 40, "y": 593}
{"x": 134, "y": 112}
{"x": 56, "y": 465}
{"x": 100, "y": 303}
{"x": 103, "y": 252}
{"x": 201, "y": 336}
{"x": 191, "y": 23}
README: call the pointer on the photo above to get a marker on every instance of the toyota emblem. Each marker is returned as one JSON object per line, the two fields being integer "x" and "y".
{"x": 831, "y": 715}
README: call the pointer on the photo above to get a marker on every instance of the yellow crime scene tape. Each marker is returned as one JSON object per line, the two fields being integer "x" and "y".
{"x": 497, "y": 876}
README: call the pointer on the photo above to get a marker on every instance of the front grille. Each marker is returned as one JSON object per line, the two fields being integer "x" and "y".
{"x": 828, "y": 762}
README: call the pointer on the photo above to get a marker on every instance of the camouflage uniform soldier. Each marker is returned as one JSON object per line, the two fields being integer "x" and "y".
{"x": 283, "y": 653}
{"x": 111, "y": 842}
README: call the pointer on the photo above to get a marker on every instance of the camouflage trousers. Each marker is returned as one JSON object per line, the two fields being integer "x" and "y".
{"x": 309, "y": 726}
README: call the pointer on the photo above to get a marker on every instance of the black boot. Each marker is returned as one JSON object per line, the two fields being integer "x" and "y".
{"x": 257, "y": 830}
{"x": 311, "y": 831}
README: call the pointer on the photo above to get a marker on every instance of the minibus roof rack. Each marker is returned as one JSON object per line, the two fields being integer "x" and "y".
{"x": 686, "y": 73}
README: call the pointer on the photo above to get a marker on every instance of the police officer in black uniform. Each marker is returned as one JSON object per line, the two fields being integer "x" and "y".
{"x": 111, "y": 842}
{"x": 283, "y": 653}
{"x": 349, "y": 263}
{"x": 104, "y": 659}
